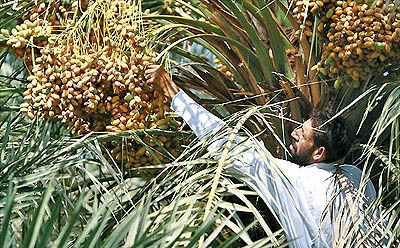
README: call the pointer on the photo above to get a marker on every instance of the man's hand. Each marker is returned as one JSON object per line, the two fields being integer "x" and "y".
{"x": 162, "y": 82}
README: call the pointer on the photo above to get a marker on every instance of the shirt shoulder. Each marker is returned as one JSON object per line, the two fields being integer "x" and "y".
{"x": 353, "y": 173}
{"x": 356, "y": 176}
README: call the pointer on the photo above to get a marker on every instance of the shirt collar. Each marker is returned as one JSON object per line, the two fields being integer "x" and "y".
{"x": 323, "y": 166}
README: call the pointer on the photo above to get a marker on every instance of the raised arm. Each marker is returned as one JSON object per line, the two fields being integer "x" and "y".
{"x": 199, "y": 119}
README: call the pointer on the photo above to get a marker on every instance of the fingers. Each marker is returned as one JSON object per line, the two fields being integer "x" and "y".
{"x": 151, "y": 68}
{"x": 151, "y": 71}
{"x": 154, "y": 72}
{"x": 148, "y": 75}
{"x": 157, "y": 76}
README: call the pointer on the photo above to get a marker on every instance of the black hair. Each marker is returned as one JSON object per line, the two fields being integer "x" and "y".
{"x": 331, "y": 134}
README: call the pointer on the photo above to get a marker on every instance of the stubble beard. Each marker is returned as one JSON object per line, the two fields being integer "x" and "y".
{"x": 301, "y": 158}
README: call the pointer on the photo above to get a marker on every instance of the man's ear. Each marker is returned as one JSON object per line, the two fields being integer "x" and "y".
{"x": 318, "y": 155}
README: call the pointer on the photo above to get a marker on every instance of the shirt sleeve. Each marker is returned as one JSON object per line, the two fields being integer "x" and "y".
{"x": 199, "y": 119}
{"x": 274, "y": 179}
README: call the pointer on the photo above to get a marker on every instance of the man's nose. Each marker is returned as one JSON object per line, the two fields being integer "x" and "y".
{"x": 294, "y": 132}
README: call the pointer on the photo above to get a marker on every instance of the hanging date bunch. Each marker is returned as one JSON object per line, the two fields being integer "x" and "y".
{"x": 357, "y": 37}
{"x": 90, "y": 74}
{"x": 34, "y": 28}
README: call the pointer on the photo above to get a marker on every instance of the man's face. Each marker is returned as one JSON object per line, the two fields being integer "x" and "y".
{"x": 302, "y": 145}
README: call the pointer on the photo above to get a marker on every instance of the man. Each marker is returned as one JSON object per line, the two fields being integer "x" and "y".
{"x": 299, "y": 192}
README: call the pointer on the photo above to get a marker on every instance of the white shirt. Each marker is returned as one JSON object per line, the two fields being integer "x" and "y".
{"x": 298, "y": 195}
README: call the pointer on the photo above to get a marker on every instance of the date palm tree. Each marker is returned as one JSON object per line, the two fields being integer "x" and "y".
{"x": 59, "y": 190}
